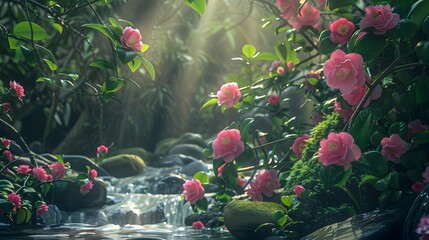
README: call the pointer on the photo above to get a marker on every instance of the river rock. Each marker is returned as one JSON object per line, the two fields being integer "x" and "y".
{"x": 193, "y": 167}
{"x": 169, "y": 161}
{"x": 191, "y": 138}
{"x": 147, "y": 156}
{"x": 243, "y": 217}
{"x": 124, "y": 165}
{"x": 67, "y": 196}
{"x": 192, "y": 150}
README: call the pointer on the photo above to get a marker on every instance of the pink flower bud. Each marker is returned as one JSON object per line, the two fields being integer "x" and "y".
{"x": 197, "y": 225}
{"x": 17, "y": 88}
{"x": 102, "y": 149}
{"x": 298, "y": 190}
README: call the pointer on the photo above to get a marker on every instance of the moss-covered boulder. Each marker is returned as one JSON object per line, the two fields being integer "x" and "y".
{"x": 242, "y": 218}
{"x": 124, "y": 165}
{"x": 147, "y": 156}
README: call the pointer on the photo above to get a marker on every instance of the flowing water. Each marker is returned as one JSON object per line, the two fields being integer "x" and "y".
{"x": 135, "y": 210}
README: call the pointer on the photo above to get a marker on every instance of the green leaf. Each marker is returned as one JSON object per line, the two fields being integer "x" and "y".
{"x": 134, "y": 64}
{"x": 59, "y": 158}
{"x": 210, "y": 102}
{"x": 287, "y": 200}
{"x": 114, "y": 22}
{"x": 369, "y": 179}
{"x": 23, "y": 215}
{"x": 277, "y": 216}
{"x": 50, "y": 64}
{"x": 285, "y": 52}
{"x": 421, "y": 137}
{"x": 202, "y": 204}
{"x": 399, "y": 128}
{"x": 111, "y": 85}
{"x": 202, "y": 177}
{"x": 334, "y": 4}
{"x": 216, "y": 164}
{"x": 370, "y": 46}
{"x": 126, "y": 55}
{"x": 406, "y": 29}
{"x": 266, "y": 56}
{"x": 149, "y": 67}
{"x": 23, "y": 29}
{"x": 13, "y": 43}
{"x": 58, "y": 27}
{"x": 5, "y": 205}
{"x": 29, "y": 55}
{"x": 422, "y": 87}
{"x": 45, "y": 188}
{"x": 102, "y": 63}
{"x": 334, "y": 175}
{"x": 372, "y": 163}
{"x": 249, "y": 51}
{"x": 245, "y": 128}
{"x": 197, "y": 5}
{"x": 47, "y": 53}
{"x": 419, "y": 10}
{"x": 361, "y": 125}
{"x": 383, "y": 183}
{"x": 414, "y": 159}
{"x": 326, "y": 46}
{"x": 145, "y": 47}
{"x": 72, "y": 76}
{"x": 101, "y": 28}
{"x": 229, "y": 175}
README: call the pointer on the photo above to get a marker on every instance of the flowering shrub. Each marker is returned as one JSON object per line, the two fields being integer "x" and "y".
{"x": 362, "y": 68}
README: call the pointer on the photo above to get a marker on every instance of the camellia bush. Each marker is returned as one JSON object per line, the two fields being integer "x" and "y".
{"x": 362, "y": 67}
{"x": 32, "y": 31}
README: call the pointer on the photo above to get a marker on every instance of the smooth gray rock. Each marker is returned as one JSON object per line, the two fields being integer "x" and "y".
{"x": 194, "y": 167}
{"x": 192, "y": 150}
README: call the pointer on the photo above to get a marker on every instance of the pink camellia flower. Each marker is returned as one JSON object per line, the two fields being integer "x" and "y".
{"x": 274, "y": 65}
{"x": 423, "y": 227}
{"x": 264, "y": 184}
{"x": 102, "y": 149}
{"x": 6, "y": 142}
{"x": 23, "y": 169}
{"x": 85, "y": 188}
{"x": 274, "y": 100}
{"x": 356, "y": 96}
{"x": 197, "y": 225}
{"x": 17, "y": 88}
{"x": 417, "y": 186}
{"x": 227, "y": 145}
{"x": 228, "y": 95}
{"x": 338, "y": 149}
{"x": 6, "y": 107}
{"x": 416, "y": 126}
{"x": 132, "y": 39}
{"x": 341, "y": 30}
{"x": 345, "y": 113}
{"x": 241, "y": 182}
{"x": 58, "y": 170}
{"x": 49, "y": 178}
{"x": 288, "y": 8}
{"x": 40, "y": 174}
{"x": 299, "y": 144}
{"x": 308, "y": 16}
{"x": 8, "y": 155}
{"x": 425, "y": 175}
{"x": 193, "y": 190}
{"x": 42, "y": 209}
{"x": 92, "y": 174}
{"x": 379, "y": 17}
{"x": 290, "y": 65}
{"x": 344, "y": 71}
{"x": 393, "y": 147}
{"x": 280, "y": 70}
{"x": 15, "y": 199}
{"x": 254, "y": 193}
{"x": 298, "y": 190}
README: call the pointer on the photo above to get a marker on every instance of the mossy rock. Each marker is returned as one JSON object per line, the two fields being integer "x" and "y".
{"x": 242, "y": 218}
{"x": 147, "y": 156}
{"x": 163, "y": 146}
{"x": 124, "y": 165}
